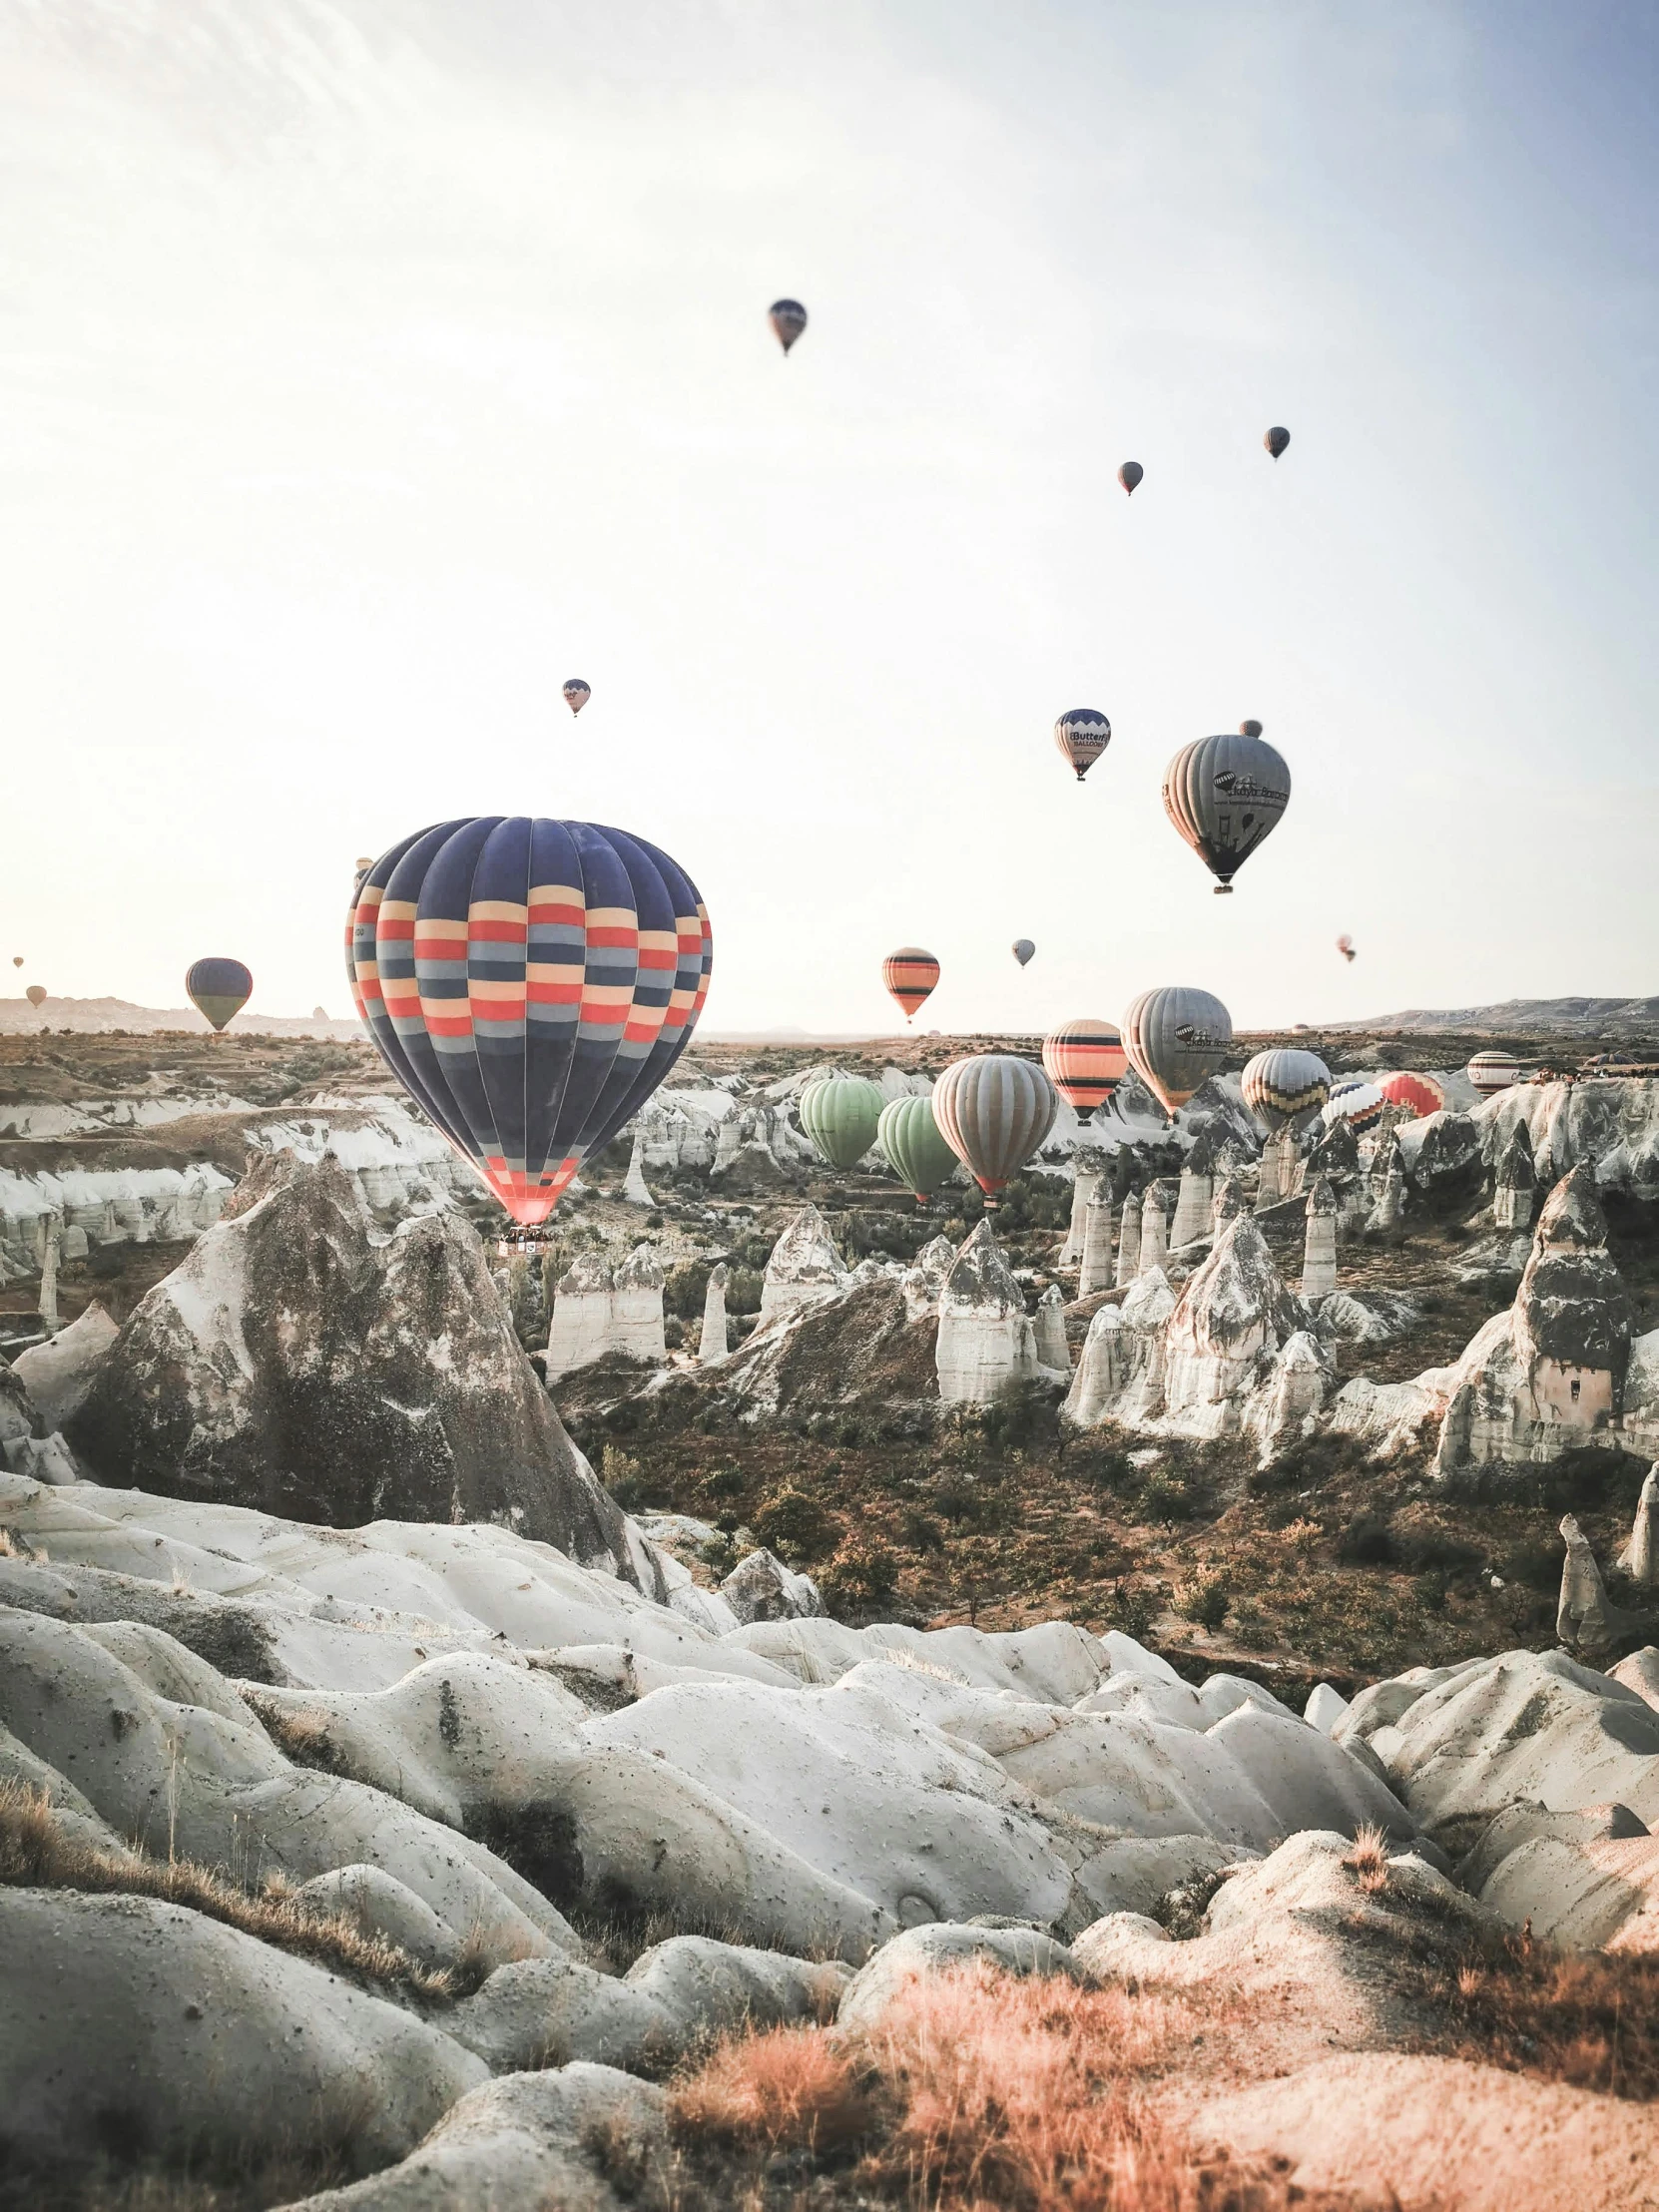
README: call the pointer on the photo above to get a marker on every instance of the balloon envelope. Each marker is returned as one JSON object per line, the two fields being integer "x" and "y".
{"x": 530, "y": 983}
{"x": 1355, "y": 1101}
{"x": 1129, "y": 475}
{"x": 576, "y": 694}
{"x": 17, "y": 959}
{"x": 913, "y": 1147}
{"x": 218, "y": 989}
{"x": 36, "y": 994}
{"x": 1420, "y": 1095}
{"x": 1276, "y": 439}
{"x": 1082, "y": 735}
{"x": 1285, "y": 1088}
{"x": 1225, "y": 795}
{"x": 1085, "y": 1061}
{"x": 1175, "y": 1039}
{"x": 909, "y": 973}
{"x": 995, "y": 1111}
{"x": 840, "y": 1114}
{"x": 788, "y": 319}
{"x": 1344, "y": 945}
{"x": 1491, "y": 1072}
{"x": 1023, "y": 949}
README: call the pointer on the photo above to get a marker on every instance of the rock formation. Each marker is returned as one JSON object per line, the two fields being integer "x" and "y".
{"x": 805, "y": 1267}
{"x": 1610, "y": 1126}
{"x": 599, "y": 1310}
{"x": 635, "y": 1190}
{"x": 1515, "y": 1182}
{"x": 1227, "y": 1204}
{"x": 1234, "y": 1314}
{"x": 761, "y": 1588}
{"x": 1276, "y": 1170}
{"x": 1191, "y": 1209}
{"x": 985, "y": 1339}
{"x": 1052, "y": 1348}
{"x": 1640, "y": 1556}
{"x": 292, "y": 1362}
{"x": 47, "y": 1304}
{"x": 1586, "y": 1620}
{"x": 1096, "y": 1272}
{"x": 713, "y": 1346}
{"x": 58, "y": 1373}
{"x": 925, "y": 1281}
{"x": 1129, "y": 1241}
{"x": 1319, "y": 1258}
{"x": 1154, "y": 1233}
{"x": 1440, "y": 1153}
{"x": 1386, "y": 1223}
{"x": 1090, "y": 1170}
{"x": 1120, "y": 1375}
{"x": 1301, "y": 1383}
{"x": 1550, "y": 1373}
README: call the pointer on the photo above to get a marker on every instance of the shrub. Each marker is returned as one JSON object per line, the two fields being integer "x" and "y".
{"x": 684, "y": 1287}
{"x": 795, "y": 1524}
{"x": 1166, "y": 1495}
{"x": 1367, "y": 1541}
{"x": 863, "y": 1574}
{"x": 1204, "y": 1600}
{"x": 743, "y": 1290}
{"x": 621, "y": 1474}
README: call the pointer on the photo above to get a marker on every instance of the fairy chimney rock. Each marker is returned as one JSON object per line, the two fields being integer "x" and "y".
{"x": 1227, "y": 1204}
{"x": 1231, "y": 1319}
{"x": 1640, "y": 1556}
{"x": 805, "y": 1267}
{"x": 1154, "y": 1236}
{"x": 985, "y": 1339}
{"x": 712, "y": 1345}
{"x": 580, "y": 1329}
{"x": 1319, "y": 1256}
{"x": 1192, "y": 1207}
{"x": 1129, "y": 1241}
{"x": 1052, "y": 1348}
{"x": 1517, "y": 1181}
{"x": 1091, "y": 1168}
{"x": 1096, "y": 1272}
{"x": 1120, "y": 1375}
{"x": 634, "y": 1190}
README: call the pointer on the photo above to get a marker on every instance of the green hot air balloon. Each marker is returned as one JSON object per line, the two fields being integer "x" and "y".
{"x": 912, "y": 1146}
{"x": 840, "y": 1113}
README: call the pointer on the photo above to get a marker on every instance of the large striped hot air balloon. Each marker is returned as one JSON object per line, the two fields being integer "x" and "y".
{"x": 913, "y": 1147}
{"x": 909, "y": 973}
{"x": 1082, "y": 735}
{"x": 1085, "y": 1061}
{"x": 994, "y": 1112}
{"x": 840, "y": 1114}
{"x": 1356, "y": 1101}
{"x": 1176, "y": 1038}
{"x": 1225, "y": 795}
{"x": 218, "y": 989}
{"x": 1419, "y": 1095}
{"x": 1491, "y": 1072}
{"x": 1285, "y": 1089}
{"x": 529, "y": 984}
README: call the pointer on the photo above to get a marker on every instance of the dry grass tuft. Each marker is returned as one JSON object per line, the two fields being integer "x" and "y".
{"x": 1589, "y": 2020}
{"x": 36, "y": 1852}
{"x": 303, "y": 1737}
{"x": 8, "y": 1549}
{"x": 789, "y": 2088}
{"x": 1367, "y": 1861}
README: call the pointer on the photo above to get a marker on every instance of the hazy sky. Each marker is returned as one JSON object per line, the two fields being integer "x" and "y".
{"x": 367, "y": 368}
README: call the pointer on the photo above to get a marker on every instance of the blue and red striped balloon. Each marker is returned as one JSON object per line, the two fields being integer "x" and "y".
{"x": 530, "y": 983}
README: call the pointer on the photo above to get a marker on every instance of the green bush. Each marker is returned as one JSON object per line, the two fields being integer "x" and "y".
{"x": 1204, "y": 1600}
{"x": 861, "y": 1574}
{"x": 795, "y": 1524}
{"x": 743, "y": 1291}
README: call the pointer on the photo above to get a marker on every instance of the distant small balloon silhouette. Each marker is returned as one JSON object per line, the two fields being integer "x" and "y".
{"x": 577, "y": 694}
{"x": 36, "y": 994}
{"x": 1276, "y": 440}
{"x": 1023, "y": 949}
{"x": 1082, "y": 735}
{"x": 17, "y": 959}
{"x": 788, "y": 319}
{"x": 1129, "y": 475}
{"x": 1344, "y": 945}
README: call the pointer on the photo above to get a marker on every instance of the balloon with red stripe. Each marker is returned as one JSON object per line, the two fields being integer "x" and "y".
{"x": 1420, "y": 1095}
{"x": 910, "y": 974}
{"x": 530, "y": 983}
{"x": 1085, "y": 1061}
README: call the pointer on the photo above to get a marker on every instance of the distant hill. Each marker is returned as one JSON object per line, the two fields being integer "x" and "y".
{"x": 99, "y": 1016}
{"x": 1565, "y": 1017}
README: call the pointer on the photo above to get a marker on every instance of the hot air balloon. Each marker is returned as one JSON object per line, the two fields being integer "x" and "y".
{"x": 1175, "y": 1038}
{"x": 1085, "y": 1061}
{"x": 912, "y": 1146}
{"x": 530, "y": 983}
{"x": 909, "y": 973}
{"x": 1491, "y": 1072}
{"x": 36, "y": 994}
{"x": 1129, "y": 475}
{"x": 1082, "y": 734}
{"x": 1419, "y": 1095}
{"x": 1225, "y": 795}
{"x": 17, "y": 959}
{"x": 1285, "y": 1089}
{"x": 1276, "y": 440}
{"x": 576, "y": 694}
{"x": 840, "y": 1114}
{"x": 1344, "y": 945}
{"x": 1357, "y": 1102}
{"x": 218, "y": 989}
{"x": 788, "y": 319}
{"x": 995, "y": 1111}
{"x": 1022, "y": 949}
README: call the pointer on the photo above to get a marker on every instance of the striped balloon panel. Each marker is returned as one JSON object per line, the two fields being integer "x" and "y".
{"x": 840, "y": 1114}
{"x": 1176, "y": 1038}
{"x": 530, "y": 983}
{"x": 218, "y": 989}
{"x": 913, "y": 1146}
{"x": 1285, "y": 1088}
{"x": 1085, "y": 1061}
{"x": 909, "y": 975}
{"x": 1357, "y": 1102}
{"x": 1420, "y": 1095}
{"x": 1491, "y": 1072}
{"x": 994, "y": 1112}
{"x": 1225, "y": 795}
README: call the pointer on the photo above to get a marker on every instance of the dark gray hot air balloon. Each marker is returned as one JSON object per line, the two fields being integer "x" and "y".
{"x": 1175, "y": 1038}
{"x": 788, "y": 319}
{"x": 994, "y": 1112}
{"x": 1129, "y": 475}
{"x": 1082, "y": 734}
{"x": 1023, "y": 949}
{"x": 1225, "y": 795}
{"x": 1276, "y": 440}
{"x": 576, "y": 693}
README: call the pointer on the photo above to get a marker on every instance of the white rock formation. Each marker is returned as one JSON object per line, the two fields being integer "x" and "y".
{"x": 1515, "y": 1182}
{"x": 714, "y": 1346}
{"x": 1129, "y": 1241}
{"x": 598, "y": 1310}
{"x": 58, "y": 1373}
{"x": 1640, "y": 1556}
{"x": 1585, "y": 1618}
{"x": 1227, "y": 1204}
{"x": 1086, "y": 1185}
{"x": 634, "y": 1190}
{"x": 985, "y": 1339}
{"x": 1052, "y": 1348}
{"x": 1612, "y": 1127}
{"x": 1386, "y": 1220}
{"x": 1095, "y": 1273}
{"x": 1318, "y": 1259}
{"x": 1120, "y": 1375}
{"x": 761, "y": 1588}
{"x": 1191, "y": 1209}
{"x": 805, "y": 1267}
{"x": 924, "y": 1282}
{"x": 1286, "y": 1405}
{"x": 1154, "y": 1236}
{"x": 1277, "y": 1171}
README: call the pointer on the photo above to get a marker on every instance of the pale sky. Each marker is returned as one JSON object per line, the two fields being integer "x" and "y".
{"x": 366, "y": 370}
